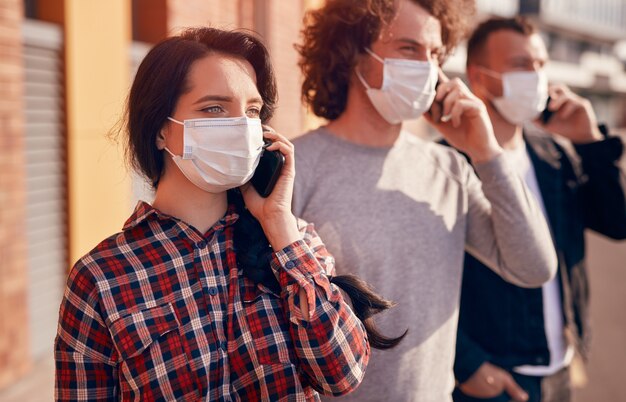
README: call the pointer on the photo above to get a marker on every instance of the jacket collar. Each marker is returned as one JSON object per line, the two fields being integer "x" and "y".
{"x": 546, "y": 158}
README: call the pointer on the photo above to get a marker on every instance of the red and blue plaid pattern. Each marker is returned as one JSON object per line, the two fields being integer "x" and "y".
{"x": 160, "y": 312}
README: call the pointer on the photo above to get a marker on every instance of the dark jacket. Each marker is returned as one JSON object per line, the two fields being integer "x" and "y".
{"x": 502, "y": 323}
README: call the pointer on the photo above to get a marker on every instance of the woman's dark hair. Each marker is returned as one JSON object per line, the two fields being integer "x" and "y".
{"x": 254, "y": 253}
{"x": 162, "y": 78}
{"x": 338, "y": 32}
{"x": 478, "y": 38}
{"x": 160, "y": 81}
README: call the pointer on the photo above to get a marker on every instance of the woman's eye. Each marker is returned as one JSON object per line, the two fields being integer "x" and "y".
{"x": 253, "y": 112}
{"x": 213, "y": 109}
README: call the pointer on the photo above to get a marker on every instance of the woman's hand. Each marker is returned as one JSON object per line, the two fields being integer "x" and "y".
{"x": 274, "y": 212}
{"x": 463, "y": 120}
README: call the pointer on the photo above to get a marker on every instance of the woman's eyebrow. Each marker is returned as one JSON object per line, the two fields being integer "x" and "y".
{"x": 214, "y": 98}
{"x": 256, "y": 99}
{"x": 221, "y": 98}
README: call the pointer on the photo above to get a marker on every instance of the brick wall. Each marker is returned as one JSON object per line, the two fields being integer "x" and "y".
{"x": 277, "y": 21}
{"x": 214, "y": 13}
{"x": 14, "y": 354}
{"x": 283, "y": 24}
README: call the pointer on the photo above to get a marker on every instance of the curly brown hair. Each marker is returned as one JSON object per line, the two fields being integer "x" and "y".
{"x": 335, "y": 34}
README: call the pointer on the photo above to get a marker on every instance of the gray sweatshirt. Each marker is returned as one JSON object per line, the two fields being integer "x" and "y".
{"x": 400, "y": 218}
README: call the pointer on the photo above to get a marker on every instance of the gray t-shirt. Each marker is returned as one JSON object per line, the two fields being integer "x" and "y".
{"x": 400, "y": 218}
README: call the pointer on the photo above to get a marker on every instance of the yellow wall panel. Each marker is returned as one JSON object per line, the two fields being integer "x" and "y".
{"x": 98, "y": 35}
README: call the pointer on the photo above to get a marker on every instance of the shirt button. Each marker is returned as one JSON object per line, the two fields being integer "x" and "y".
{"x": 201, "y": 244}
{"x": 224, "y": 346}
{"x": 290, "y": 264}
{"x": 539, "y": 360}
{"x": 213, "y": 291}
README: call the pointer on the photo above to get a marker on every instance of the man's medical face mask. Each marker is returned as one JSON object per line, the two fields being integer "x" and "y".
{"x": 524, "y": 94}
{"x": 408, "y": 88}
{"x": 219, "y": 153}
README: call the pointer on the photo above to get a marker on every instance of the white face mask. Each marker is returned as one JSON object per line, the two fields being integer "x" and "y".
{"x": 408, "y": 88}
{"x": 219, "y": 154}
{"x": 524, "y": 95}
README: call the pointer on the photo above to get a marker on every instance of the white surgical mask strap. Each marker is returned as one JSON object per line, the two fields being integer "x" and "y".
{"x": 358, "y": 74}
{"x": 175, "y": 121}
{"x": 490, "y": 73}
{"x": 374, "y": 55}
{"x": 170, "y": 152}
{"x": 491, "y": 95}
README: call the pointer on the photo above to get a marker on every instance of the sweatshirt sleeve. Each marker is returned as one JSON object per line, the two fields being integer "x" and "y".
{"x": 506, "y": 229}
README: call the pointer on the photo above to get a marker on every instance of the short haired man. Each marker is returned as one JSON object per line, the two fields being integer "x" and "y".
{"x": 514, "y": 342}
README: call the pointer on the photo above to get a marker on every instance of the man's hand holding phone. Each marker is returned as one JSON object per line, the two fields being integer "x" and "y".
{"x": 463, "y": 120}
{"x": 570, "y": 116}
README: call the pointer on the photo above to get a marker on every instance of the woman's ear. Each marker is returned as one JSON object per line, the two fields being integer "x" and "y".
{"x": 160, "y": 140}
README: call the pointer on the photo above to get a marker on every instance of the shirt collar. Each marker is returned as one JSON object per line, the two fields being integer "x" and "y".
{"x": 140, "y": 214}
{"x": 143, "y": 211}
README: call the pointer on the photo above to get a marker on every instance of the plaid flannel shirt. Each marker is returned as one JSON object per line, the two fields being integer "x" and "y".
{"x": 160, "y": 312}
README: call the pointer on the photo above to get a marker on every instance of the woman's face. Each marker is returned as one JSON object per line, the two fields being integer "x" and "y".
{"x": 218, "y": 85}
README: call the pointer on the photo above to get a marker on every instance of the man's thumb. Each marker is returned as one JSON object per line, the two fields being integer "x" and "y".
{"x": 514, "y": 390}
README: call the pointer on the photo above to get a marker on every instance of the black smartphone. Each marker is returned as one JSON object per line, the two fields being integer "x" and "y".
{"x": 546, "y": 115}
{"x": 436, "y": 108}
{"x": 268, "y": 171}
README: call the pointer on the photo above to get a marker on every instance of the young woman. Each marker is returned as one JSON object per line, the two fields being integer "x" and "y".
{"x": 212, "y": 292}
